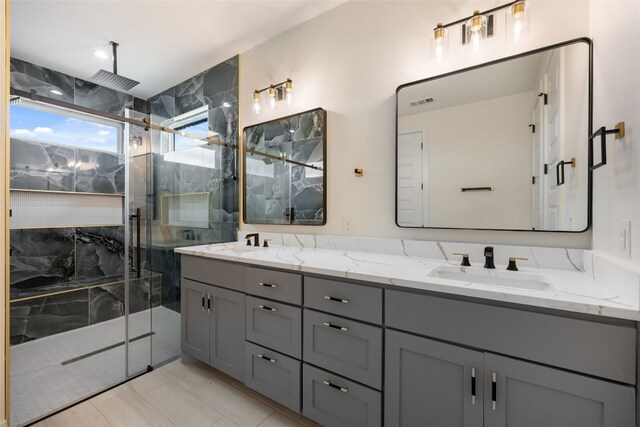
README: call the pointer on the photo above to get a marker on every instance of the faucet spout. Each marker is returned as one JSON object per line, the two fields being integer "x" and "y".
{"x": 488, "y": 257}
{"x": 256, "y": 239}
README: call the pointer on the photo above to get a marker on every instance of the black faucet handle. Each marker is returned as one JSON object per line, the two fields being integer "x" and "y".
{"x": 512, "y": 263}
{"x": 465, "y": 259}
{"x": 488, "y": 251}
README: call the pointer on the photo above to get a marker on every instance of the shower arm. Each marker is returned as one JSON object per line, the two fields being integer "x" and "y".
{"x": 114, "y": 48}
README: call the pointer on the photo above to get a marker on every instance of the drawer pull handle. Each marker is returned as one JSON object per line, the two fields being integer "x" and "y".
{"x": 473, "y": 386}
{"x": 202, "y": 302}
{"x": 267, "y": 285}
{"x": 266, "y": 307}
{"x": 337, "y": 387}
{"x": 494, "y": 390}
{"x": 208, "y": 303}
{"x": 268, "y": 359}
{"x": 330, "y": 298}
{"x": 331, "y": 325}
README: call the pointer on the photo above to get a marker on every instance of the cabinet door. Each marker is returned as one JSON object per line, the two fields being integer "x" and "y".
{"x": 430, "y": 383}
{"x": 530, "y": 395}
{"x": 226, "y": 342}
{"x": 195, "y": 320}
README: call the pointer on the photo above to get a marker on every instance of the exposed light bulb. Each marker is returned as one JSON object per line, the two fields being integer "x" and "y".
{"x": 439, "y": 43}
{"x": 475, "y": 41}
{"x": 256, "y": 102}
{"x": 517, "y": 29}
{"x": 517, "y": 21}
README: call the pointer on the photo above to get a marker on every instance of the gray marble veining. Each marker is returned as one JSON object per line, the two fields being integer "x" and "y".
{"x": 101, "y": 98}
{"x": 27, "y": 76}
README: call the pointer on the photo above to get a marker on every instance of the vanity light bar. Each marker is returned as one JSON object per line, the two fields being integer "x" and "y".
{"x": 275, "y": 92}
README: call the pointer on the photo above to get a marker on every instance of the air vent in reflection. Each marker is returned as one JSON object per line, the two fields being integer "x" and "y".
{"x": 421, "y": 102}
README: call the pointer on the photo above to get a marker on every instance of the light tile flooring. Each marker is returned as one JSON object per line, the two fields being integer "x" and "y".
{"x": 40, "y": 384}
{"x": 179, "y": 395}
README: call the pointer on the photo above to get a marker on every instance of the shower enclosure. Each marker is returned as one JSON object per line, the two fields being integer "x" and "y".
{"x": 98, "y": 204}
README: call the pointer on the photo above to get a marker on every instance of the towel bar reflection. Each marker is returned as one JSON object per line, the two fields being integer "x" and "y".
{"x": 465, "y": 189}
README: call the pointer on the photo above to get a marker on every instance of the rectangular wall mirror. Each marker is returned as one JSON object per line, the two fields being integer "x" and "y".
{"x": 285, "y": 170}
{"x": 500, "y": 146}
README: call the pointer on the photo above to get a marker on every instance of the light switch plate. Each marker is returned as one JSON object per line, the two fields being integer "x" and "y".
{"x": 347, "y": 224}
{"x": 624, "y": 237}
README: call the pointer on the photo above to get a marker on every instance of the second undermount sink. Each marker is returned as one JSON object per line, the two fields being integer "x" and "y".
{"x": 510, "y": 279}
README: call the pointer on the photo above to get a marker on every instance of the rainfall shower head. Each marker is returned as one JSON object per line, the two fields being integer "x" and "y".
{"x": 113, "y": 80}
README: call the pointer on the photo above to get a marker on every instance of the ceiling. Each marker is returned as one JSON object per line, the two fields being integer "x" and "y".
{"x": 162, "y": 43}
{"x": 494, "y": 81}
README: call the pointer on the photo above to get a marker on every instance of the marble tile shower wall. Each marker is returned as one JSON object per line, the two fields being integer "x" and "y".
{"x": 27, "y": 76}
{"x": 217, "y": 88}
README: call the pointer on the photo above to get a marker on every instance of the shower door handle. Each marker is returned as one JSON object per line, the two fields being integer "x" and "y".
{"x": 137, "y": 268}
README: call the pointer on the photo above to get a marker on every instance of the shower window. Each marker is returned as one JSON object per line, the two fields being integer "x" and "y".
{"x": 58, "y": 126}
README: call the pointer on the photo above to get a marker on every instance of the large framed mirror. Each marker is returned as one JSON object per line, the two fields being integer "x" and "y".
{"x": 285, "y": 170}
{"x": 499, "y": 146}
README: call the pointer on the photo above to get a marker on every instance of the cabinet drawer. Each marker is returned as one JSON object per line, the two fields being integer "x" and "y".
{"x": 599, "y": 349}
{"x": 335, "y": 401}
{"x": 345, "y": 299}
{"x": 223, "y": 274}
{"x": 273, "y": 374}
{"x": 274, "y": 325}
{"x": 286, "y": 287}
{"x": 347, "y": 347}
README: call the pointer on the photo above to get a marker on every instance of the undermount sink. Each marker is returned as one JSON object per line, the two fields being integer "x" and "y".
{"x": 509, "y": 279}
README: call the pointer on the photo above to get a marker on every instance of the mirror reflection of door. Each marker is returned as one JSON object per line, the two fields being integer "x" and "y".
{"x": 411, "y": 186}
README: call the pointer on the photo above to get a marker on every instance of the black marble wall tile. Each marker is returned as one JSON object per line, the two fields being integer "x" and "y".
{"x": 189, "y": 95}
{"x": 164, "y": 104}
{"x": 41, "y": 166}
{"x": 99, "y": 172}
{"x": 108, "y": 302}
{"x": 221, "y": 83}
{"x": 101, "y": 98}
{"x": 141, "y": 105}
{"x": 42, "y": 317}
{"x": 26, "y": 76}
{"x": 41, "y": 258}
{"x": 99, "y": 252}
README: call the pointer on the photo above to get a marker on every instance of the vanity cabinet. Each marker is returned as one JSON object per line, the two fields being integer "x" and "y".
{"x": 213, "y": 323}
{"x": 431, "y": 383}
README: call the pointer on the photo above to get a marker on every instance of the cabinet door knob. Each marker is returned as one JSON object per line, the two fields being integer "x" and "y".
{"x": 337, "y": 387}
{"x": 331, "y": 325}
{"x": 330, "y": 298}
{"x": 266, "y": 307}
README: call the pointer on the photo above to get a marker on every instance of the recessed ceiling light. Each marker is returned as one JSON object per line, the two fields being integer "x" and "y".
{"x": 101, "y": 54}
{"x": 56, "y": 92}
{"x": 226, "y": 105}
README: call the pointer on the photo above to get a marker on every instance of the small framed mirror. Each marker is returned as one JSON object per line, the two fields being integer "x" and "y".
{"x": 499, "y": 146}
{"x": 285, "y": 170}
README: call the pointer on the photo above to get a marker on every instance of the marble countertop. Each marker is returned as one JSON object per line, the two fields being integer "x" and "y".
{"x": 603, "y": 289}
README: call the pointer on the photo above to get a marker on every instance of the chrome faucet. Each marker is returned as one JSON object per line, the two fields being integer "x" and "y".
{"x": 256, "y": 239}
{"x": 488, "y": 257}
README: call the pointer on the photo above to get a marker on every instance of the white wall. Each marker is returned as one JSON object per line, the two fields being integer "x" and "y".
{"x": 480, "y": 144}
{"x": 614, "y": 29}
{"x": 350, "y": 61}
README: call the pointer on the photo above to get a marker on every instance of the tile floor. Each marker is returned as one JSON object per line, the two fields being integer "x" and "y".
{"x": 40, "y": 383}
{"x": 179, "y": 395}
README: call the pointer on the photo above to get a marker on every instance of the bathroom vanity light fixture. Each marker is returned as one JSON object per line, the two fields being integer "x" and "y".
{"x": 477, "y": 28}
{"x": 275, "y": 93}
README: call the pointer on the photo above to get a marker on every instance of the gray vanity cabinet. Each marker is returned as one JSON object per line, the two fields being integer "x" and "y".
{"x": 195, "y": 320}
{"x": 213, "y": 326}
{"x": 531, "y": 395}
{"x": 226, "y": 331}
{"x": 430, "y": 383}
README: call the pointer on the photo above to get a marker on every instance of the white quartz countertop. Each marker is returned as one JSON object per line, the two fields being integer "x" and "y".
{"x": 614, "y": 294}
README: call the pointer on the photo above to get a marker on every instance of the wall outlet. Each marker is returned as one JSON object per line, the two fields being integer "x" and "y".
{"x": 347, "y": 224}
{"x": 624, "y": 237}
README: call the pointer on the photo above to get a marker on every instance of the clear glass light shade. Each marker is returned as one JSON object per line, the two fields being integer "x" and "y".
{"x": 476, "y": 32}
{"x": 272, "y": 97}
{"x": 288, "y": 88}
{"x": 518, "y": 18}
{"x": 440, "y": 44}
{"x": 256, "y": 102}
